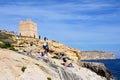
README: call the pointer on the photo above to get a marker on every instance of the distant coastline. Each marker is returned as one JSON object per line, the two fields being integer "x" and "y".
{"x": 96, "y": 55}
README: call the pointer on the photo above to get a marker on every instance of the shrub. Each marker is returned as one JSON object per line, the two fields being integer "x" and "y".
{"x": 68, "y": 58}
{"x": 37, "y": 64}
{"x": 6, "y": 45}
{"x": 3, "y": 46}
{"x": 55, "y": 57}
{"x": 12, "y": 48}
{"x": 51, "y": 51}
{"x": 48, "y": 78}
{"x": 7, "y": 40}
{"x": 23, "y": 69}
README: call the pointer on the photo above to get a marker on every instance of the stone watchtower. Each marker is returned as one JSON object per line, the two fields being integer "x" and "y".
{"x": 28, "y": 28}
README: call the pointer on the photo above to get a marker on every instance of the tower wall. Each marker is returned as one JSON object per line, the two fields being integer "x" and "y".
{"x": 28, "y": 28}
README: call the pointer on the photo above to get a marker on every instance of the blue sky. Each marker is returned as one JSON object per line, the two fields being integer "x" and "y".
{"x": 82, "y": 24}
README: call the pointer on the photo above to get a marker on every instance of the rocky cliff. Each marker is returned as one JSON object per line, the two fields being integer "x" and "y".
{"x": 87, "y": 55}
{"x": 17, "y": 66}
{"x": 23, "y": 44}
{"x": 24, "y": 64}
{"x": 98, "y": 68}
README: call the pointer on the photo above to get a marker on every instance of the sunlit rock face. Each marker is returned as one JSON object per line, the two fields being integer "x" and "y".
{"x": 54, "y": 47}
{"x": 16, "y": 66}
{"x": 76, "y": 74}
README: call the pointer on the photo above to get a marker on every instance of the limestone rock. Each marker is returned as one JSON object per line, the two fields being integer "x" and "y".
{"x": 55, "y": 47}
{"x": 98, "y": 68}
{"x": 15, "y": 66}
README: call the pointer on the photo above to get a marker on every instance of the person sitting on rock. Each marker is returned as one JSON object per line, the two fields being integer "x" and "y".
{"x": 66, "y": 64}
{"x": 64, "y": 58}
{"x": 40, "y": 54}
{"x": 46, "y": 56}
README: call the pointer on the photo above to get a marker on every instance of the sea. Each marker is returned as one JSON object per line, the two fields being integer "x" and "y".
{"x": 113, "y": 65}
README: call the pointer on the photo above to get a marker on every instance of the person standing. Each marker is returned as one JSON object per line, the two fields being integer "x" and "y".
{"x": 45, "y": 38}
{"x": 39, "y": 37}
{"x": 46, "y": 47}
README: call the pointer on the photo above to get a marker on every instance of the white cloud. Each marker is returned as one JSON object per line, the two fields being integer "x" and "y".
{"x": 64, "y": 11}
